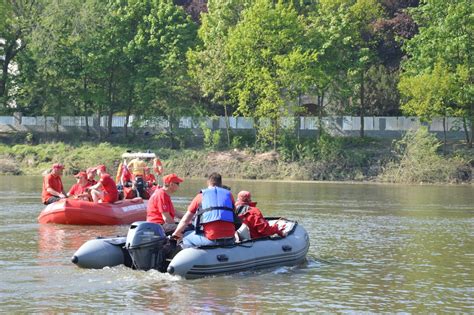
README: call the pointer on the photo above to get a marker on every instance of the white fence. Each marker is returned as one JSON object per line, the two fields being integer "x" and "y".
{"x": 341, "y": 123}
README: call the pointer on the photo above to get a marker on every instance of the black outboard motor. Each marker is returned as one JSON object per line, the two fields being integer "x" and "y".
{"x": 145, "y": 243}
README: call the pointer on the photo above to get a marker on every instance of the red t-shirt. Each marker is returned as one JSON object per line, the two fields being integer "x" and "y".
{"x": 159, "y": 202}
{"x": 213, "y": 230}
{"x": 51, "y": 181}
{"x": 109, "y": 187}
{"x": 258, "y": 226}
{"x": 77, "y": 189}
{"x": 91, "y": 182}
{"x": 150, "y": 179}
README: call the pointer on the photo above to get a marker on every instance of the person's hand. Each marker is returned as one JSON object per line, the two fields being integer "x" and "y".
{"x": 61, "y": 195}
{"x": 177, "y": 235}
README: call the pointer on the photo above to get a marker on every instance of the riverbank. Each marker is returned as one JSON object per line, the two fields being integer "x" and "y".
{"x": 372, "y": 160}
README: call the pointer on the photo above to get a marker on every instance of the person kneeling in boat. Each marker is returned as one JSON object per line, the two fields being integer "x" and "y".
{"x": 160, "y": 208}
{"x": 53, "y": 189}
{"x": 79, "y": 189}
{"x": 254, "y": 225}
{"x": 105, "y": 190}
{"x": 214, "y": 222}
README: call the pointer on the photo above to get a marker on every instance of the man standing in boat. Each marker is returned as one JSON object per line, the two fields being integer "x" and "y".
{"x": 160, "y": 208}
{"x": 105, "y": 190}
{"x": 53, "y": 188}
{"x": 214, "y": 222}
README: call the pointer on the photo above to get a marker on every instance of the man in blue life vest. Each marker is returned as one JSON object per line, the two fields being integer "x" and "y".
{"x": 213, "y": 209}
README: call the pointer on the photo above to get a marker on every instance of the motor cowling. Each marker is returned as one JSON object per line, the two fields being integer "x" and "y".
{"x": 145, "y": 243}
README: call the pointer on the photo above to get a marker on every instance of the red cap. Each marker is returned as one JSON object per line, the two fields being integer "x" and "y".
{"x": 58, "y": 166}
{"x": 101, "y": 168}
{"x": 81, "y": 174}
{"x": 244, "y": 197}
{"x": 171, "y": 178}
{"x": 90, "y": 170}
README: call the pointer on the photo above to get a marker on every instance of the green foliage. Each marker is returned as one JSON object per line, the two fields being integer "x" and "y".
{"x": 417, "y": 161}
{"x": 428, "y": 94}
{"x": 212, "y": 138}
{"x": 265, "y": 50}
{"x": 437, "y": 77}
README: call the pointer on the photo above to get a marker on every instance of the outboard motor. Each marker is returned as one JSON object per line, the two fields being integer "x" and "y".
{"x": 145, "y": 243}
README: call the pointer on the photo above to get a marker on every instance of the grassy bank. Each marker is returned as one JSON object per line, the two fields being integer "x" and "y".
{"x": 414, "y": 159}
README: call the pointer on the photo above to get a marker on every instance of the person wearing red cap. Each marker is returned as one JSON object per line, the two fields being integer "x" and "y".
{"x": 160, "y": 208}
{"x": 215, "y": 219}
{"x": 105, "y": 190}
{"x": 150, "y": 179}
{"x": 91, "y": 172}
{"x": 253, "y": 220}
{"x": 79, "y": 189}
{"x": 53, "y": 188}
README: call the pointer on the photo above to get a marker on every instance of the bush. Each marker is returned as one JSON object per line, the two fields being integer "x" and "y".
{"x": 416, "y": 160}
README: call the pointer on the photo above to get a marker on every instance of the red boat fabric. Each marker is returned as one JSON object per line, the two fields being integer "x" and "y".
{"x": 74, "y": 211}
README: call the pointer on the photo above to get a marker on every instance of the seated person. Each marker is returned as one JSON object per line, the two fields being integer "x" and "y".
{"x": 105, "y": 190}
{"x": 53, "y": 189}
{"x": 215, "y": 217}
{"x": 253, "y": 220}
{"x": 91, "y": 172}
{"x": 79, "y": 189}
{"x": 150, "y": 179}
{"x": 160, "y": 208}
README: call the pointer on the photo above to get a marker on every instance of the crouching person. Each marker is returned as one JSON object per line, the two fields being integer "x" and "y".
{"x": 213, "y": 208}
{"x": 254, "y": 225}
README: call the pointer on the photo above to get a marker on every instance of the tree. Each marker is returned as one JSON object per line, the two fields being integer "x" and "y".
{"x": 441, "y": 56}
{"x": 265, "y": 47}
{"x": 208, "y": 62}
{"x": 18, "y": 18}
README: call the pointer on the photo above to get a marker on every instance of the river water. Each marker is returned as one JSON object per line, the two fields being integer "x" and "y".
{"x": 374, "y": 248}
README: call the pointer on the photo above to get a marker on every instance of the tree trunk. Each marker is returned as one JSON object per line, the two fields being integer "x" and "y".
{"x": 472, "y": 124}
{"x": 109, "y": 122}
{"x": 444, "y": 136}
{"x": 227, "y": 125}
{"x": 275, "y": 128}
{"x": 362, "y": 104}
{"x": 128, "y": 112}
{"x": 320, "y": 116}
{"x": 86, "y": 107}
{"x": 100, "y": 127}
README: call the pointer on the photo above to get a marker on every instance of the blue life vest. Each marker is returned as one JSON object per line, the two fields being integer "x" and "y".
{"x": 216, "y": 206}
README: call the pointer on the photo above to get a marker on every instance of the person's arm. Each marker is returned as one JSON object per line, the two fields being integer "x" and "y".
{"x": 262, "y": 226}
{"x": 185, "y": 221}
{"x": 167, "y": 217}
{"x": 53, "y": 192}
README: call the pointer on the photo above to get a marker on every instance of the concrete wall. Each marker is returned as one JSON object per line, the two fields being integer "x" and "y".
{"x": 389, "y": 127}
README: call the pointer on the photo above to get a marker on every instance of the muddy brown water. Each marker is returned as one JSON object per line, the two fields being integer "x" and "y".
{"x": 374, "y": 248}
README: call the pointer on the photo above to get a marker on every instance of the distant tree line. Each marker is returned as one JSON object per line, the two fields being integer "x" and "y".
{"x": 254, "y": 58}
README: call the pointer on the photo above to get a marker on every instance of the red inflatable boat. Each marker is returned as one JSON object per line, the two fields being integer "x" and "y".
{"x": 73, "y": 211}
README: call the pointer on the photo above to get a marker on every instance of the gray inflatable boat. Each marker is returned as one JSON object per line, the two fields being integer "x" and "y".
{"x": 147, "y": 247}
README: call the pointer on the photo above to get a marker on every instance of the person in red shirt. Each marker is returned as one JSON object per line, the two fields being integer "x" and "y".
{"x": 253, "y": 220}
{"x": 215, "y": 220}
{"x": 150, "y": 179}
{"x": 105, "y": 190}
{"x": 160, "y": 208}
{"x": 79, "y": 189}
{"x": 91, "y": 172}
{"x": 53, "y": 188}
